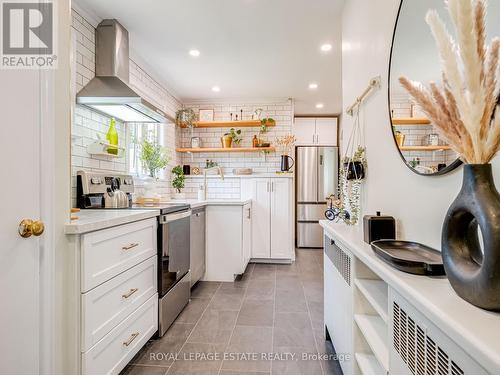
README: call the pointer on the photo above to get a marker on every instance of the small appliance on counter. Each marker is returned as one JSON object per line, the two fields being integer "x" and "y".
{"x": 103, "y": 190}
{"x": 378, "y": 227}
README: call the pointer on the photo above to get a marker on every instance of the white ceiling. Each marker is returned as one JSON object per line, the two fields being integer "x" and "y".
{"x": 251, "y": 49}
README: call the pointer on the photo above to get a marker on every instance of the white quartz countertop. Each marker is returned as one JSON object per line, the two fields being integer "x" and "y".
{"x": 92, "y": 220}
{"x": 194, "y": 203}
{"x": 477, "y": 331}
{"x": 254, "y": 175}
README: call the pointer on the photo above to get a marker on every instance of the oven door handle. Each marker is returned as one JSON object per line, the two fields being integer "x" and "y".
{"x": 164, "y": 219}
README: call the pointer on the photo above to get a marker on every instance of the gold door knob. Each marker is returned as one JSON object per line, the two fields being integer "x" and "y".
{"x": 29, "y": 227}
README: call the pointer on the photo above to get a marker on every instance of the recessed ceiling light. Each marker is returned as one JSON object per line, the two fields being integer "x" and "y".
{"x": 326, "y": 47}
{"x": 313, "y": 86}
{"x": 194, "y": 52}
{"x": 319, "y": 105}
{"x": 216, "y": 89}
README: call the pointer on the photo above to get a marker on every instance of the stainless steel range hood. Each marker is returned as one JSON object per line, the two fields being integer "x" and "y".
{"x": 109, "y": 92}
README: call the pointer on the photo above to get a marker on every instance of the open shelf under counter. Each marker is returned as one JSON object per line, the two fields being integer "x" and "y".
{"x": 375, "y": 291}
{"x": 368, "y": 364}
{"x": 425, "y": 148}
{"x": 374, "y": 330}
{"x": 411, "y": 121}
{"x": 230, "y": 124}
{"x": 232, "y": 149}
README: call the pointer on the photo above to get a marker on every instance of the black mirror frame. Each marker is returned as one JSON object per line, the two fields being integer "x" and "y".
{"x": 450, "y": 167}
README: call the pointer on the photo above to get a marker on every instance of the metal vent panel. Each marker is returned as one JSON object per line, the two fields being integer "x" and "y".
{"x": 417, "y": 350}
{"x": 342, "y": 262}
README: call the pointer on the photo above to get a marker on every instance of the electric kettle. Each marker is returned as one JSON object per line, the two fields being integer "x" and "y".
{"x": 114, "y": 197}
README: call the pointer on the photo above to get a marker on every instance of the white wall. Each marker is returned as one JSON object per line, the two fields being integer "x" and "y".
{"x": 418, "y": 203}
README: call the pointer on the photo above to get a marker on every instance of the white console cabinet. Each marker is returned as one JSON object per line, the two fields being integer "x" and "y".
{"x": 272, "y": 217}
{"x": 391, "y": 322}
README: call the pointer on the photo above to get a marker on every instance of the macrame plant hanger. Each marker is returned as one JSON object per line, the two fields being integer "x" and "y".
{"x": 352, "y": 173}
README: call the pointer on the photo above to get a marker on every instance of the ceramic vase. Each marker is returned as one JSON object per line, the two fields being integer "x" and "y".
{"x": 472, "y": 263}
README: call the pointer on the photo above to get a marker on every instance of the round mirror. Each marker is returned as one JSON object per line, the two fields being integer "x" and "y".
{"x": 415, "y": 56}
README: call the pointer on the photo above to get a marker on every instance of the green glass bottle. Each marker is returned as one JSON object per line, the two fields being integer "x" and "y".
{"x": 112, "y": 137}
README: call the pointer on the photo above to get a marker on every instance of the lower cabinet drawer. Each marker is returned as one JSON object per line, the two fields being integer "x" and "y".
{"x": 111, "y": 354}
{"x": 108, "y": 252}
{"x": 104, "y": 307}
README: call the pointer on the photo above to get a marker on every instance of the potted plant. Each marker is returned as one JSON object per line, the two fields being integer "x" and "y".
{"x": 185, "y": 118}
{"x": 400, "y": 137}
{"x": 466, "y": 113}
{"x": 154, "y": 157}
{"x": 264, "y": 123}
{"x": 178, "y": 182}
{"x": 234, "y": 136}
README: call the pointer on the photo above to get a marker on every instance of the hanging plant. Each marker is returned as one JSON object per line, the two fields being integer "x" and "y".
{"x": 352, "y": 174}
{"x": 185, "y": 118}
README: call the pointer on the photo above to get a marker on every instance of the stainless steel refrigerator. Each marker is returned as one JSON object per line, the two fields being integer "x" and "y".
{"x": 317, "y": 179}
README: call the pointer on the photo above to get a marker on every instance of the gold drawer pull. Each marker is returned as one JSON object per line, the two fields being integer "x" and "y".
{"x": 131, "y": 246}
{"x": 131, "y": 339}
{"x": 132, "y": 291}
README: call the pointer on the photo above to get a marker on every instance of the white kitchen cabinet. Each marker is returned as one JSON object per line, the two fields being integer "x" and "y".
{"x": 112, "y": 299}
{"x": 321, "y": 131}
{"x": 272, "y": 217}
{"x": 258, "y": 190}
{"x": 228, "y": 241}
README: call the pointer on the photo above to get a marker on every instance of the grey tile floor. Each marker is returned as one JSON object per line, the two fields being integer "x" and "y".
{"x": 265, "y": 323}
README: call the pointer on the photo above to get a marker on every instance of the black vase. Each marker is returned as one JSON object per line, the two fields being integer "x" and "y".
{"x": 474, "y": 274}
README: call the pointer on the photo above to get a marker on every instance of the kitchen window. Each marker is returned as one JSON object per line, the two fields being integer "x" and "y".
{"x": 137, "y": 132}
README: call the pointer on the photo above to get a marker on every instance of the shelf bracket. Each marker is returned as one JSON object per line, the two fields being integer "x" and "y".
{"x": 375, "y": 83}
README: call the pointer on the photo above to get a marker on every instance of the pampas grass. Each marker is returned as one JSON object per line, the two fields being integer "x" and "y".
{"x": 465, "y": 109}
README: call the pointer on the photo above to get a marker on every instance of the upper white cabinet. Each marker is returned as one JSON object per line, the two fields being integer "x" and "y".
{"x": 321, "y": 131}
{"x": 272, "y": 217}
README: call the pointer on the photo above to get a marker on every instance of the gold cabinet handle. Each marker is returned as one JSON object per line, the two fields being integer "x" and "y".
{"x": 130, "y": 292}
{"x": 131, "y": 246}
{"x": 131, "y": 339}
{"x": 28, "y": 227}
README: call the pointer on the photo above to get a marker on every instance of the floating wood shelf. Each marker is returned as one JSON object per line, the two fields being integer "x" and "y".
{"x": 233, "y": 149}
{"x": 229, "y": 124}
{"x": 425, "y": 148}
{"x": 411, "y": 121}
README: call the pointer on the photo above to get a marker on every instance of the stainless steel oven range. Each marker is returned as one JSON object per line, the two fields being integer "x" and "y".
{"x": 100, "y": 191}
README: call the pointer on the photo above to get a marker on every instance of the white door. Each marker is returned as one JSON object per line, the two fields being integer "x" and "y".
{"x": 326, "y": 131}
{"x": 304, "y": 131}
{"x": 261, "y": 216}
{"x": 20, "y": 168}
{"x": 281, "y": 219}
